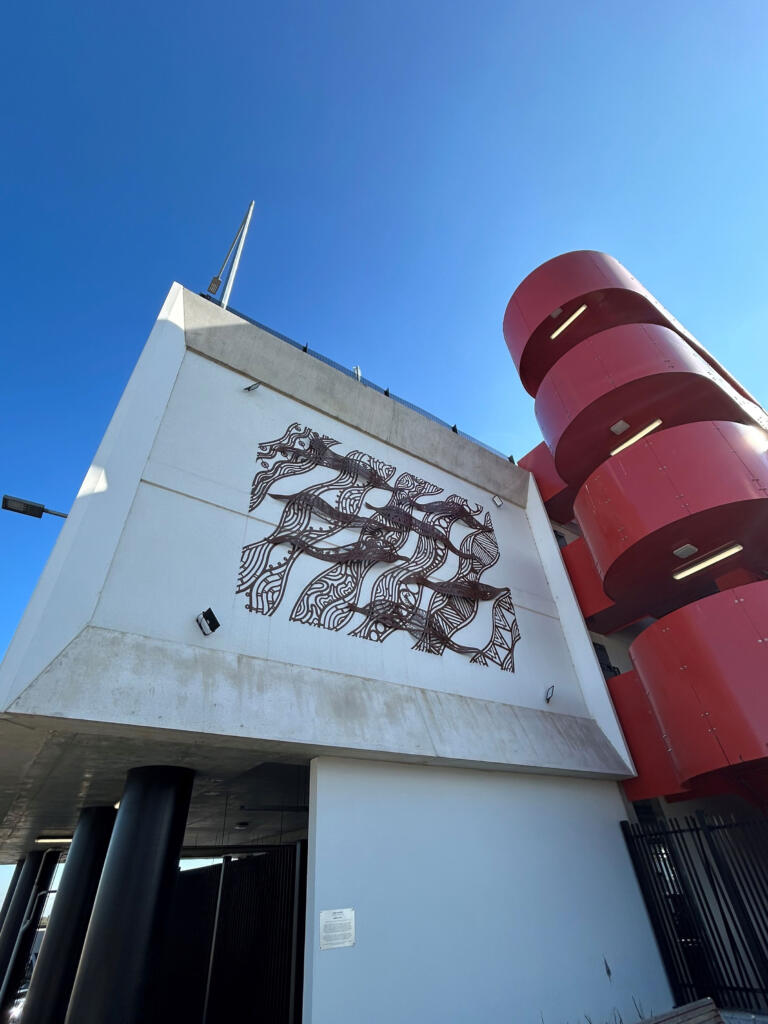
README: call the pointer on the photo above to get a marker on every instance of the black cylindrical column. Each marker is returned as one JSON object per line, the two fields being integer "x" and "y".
{"x": 56, "y": 966}
{"x": 17, "y": 908}
{"x": 125, "y": 933}
{"x": 10, "y": 890}
{"x": 34, "y": 885}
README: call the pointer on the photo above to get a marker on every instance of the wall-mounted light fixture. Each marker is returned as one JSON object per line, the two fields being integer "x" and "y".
{"x": 207, "y": 622}
{"x": 550, "y": 693}
{"x": 637, "y": 437}
{"x": 497, "y": 501}
{"x": 253, "y": 387}
{"x": 732, "y": 549}
{"x": 566, "y": 323}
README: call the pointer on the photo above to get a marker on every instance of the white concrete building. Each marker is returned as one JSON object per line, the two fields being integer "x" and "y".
{"x": 401, "y": 684}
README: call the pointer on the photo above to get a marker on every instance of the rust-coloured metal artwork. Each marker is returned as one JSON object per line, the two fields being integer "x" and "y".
{"x": 321, "y": 512}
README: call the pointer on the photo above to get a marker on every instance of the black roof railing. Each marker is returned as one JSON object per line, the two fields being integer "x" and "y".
{"x": 361, "y": 380}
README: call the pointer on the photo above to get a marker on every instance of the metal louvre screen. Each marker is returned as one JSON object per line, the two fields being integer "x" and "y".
{"x": 705, "y": 884}
{"x": 178, "y": 991}
{"x": 235, "y": 942}
{"x": 252, "y": 963}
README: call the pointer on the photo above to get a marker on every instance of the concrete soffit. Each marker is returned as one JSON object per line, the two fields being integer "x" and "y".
{"x": 309, "y": 712}
{"x": 226, "y": 339}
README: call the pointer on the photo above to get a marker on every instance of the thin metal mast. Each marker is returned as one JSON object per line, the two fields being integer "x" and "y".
{"x": 238, "y": 252}
{"x": 239, "y": 241}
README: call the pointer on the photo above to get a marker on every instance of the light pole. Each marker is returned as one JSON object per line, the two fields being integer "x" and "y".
{"x": 29, "y": 508}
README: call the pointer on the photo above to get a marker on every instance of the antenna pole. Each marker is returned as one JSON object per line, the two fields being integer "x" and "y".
{"x": 236, "y": 261}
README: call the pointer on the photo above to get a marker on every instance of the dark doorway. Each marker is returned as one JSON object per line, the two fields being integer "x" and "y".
{"x": 235, "y": 943}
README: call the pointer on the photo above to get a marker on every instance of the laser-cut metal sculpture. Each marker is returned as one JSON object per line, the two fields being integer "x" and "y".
{"x": 402, "y": 586}
{"x": 263, "y": 569}
{"x": 328, "y": 600}
{"x": 330, "y": 510}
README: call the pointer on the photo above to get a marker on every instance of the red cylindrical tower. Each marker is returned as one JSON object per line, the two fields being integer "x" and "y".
{"x": 662, "y": 458}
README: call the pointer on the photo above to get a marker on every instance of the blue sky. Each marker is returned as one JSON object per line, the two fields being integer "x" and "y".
{"x": 410, "y": 162}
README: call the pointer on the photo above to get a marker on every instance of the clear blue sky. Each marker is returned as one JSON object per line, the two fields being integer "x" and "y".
{"x": 410, "y": 162}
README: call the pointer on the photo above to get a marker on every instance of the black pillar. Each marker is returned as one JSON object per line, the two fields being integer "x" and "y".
{"x": 56, "y": 966}
{"x": 125, "y": 933}
{"x": 10, "y": 890}
{"x": 22, "y": 919}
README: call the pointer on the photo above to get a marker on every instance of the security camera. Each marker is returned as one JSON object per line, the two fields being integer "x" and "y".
{"x": 207, "y": 622}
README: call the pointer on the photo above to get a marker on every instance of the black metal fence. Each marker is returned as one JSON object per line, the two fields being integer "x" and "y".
{"x": 705, "y": 884}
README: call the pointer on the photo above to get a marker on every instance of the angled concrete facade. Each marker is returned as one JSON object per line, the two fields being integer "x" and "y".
{"x": 110, "y": 671}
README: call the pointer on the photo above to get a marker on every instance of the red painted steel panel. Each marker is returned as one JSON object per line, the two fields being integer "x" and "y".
{"x": 635, "y": 373}
{"x": 585, "y": 578}
{"x": 612, "y": 294}
{"x": 656, "y": 771}
{"x": 556, "y": 494}
{"x": 705, "y": 669}
{"x": 704, "y": 484}
{"x": 602, "y": 614}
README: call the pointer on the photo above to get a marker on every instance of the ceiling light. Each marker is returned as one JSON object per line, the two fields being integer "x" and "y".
{"x": 706, "y": 562}
{"x": 47, "y": 840}
{"x": 117, "y": 806}
{"x": 686, "y": 551}
{"x": 637, "y": 437}
{"x": 620, "y": 427}
{"x": 567, "y": 323}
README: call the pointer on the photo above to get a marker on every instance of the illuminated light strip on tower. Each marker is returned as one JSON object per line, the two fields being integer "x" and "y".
{"x": 705, "y": 563}
{"x": 637, "y": 437}
{"x": 567, "y": 323}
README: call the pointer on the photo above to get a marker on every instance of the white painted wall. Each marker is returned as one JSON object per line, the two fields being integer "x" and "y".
{"x": 478, "y": 897}
{"x": 575, "y": 632}
{"x": 180, "y": 552}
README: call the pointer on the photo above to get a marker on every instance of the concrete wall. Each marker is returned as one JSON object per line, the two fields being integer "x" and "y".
{"x": 478, "y": 897}
{"x": 157, "y": 534}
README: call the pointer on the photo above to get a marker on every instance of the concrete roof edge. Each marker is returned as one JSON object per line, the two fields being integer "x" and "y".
{"x": 260, "y": 355}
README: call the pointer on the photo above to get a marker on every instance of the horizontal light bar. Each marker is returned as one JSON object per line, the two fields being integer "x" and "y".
{"x": 47, "y": 840}
{"x": 637, "y": 437}
{"x": 567, "y": 323}
{"x": 734, "y": 549}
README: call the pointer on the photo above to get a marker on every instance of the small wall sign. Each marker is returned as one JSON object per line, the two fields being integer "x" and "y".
{"x": 337, "y": 928}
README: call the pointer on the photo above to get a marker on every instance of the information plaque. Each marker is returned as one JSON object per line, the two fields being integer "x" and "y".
{"x": 337, "y": 928}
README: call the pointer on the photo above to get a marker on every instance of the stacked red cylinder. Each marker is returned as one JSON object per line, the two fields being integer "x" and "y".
{"x": 661, "y": 458}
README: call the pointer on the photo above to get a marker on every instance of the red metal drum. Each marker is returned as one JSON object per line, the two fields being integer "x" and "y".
{"x": 698, "y": 485}
{"x": 627, "y": 378}
{"x": 705, "y": 670}
{"x": 554, "y": 292}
